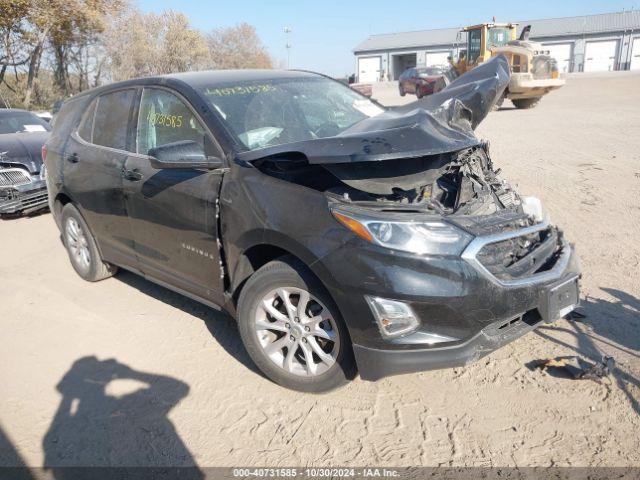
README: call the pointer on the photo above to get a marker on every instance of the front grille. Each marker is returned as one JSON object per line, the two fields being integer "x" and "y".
{"x": 522, "y": 256}
{"x": 14, "y": 177}
{"x": 12, "y": 201}
{"x": 35, "y": 200}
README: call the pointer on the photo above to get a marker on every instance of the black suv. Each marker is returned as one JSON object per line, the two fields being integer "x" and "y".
{"x": 342, "y": 235}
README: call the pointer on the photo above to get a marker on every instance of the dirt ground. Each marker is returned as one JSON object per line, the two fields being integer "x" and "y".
{"x": 75, "y": 355}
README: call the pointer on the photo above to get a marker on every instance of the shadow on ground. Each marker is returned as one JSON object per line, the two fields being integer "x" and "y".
{"x": 613, "y": 323}
{"x": 11, "y": 463}
{"x": 219, "y": 324}
{"x": 14, "y": 216}
{"x": 97, "y": 425}
{"x": 618, "y": 320}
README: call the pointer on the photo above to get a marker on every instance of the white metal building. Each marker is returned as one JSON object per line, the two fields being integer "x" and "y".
{"x": 592, "y": 43}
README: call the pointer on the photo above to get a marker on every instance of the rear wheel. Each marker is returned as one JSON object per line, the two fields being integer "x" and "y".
{"x": 418, "y": 92}
{"x": 292, "y": 330}
{"x": 525, "y": 103}
{"x": 81, "y": 247}
{"x": 401, "y": 90}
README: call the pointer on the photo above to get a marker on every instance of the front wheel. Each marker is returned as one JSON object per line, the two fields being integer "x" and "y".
{"x": 292, "y": 329}
{"x": 525, "y": 103}
{"x": 401, "y": 90}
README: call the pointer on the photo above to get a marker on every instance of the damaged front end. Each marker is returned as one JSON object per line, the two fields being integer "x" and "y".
{"x": 517, "y": 240}
{"x": 22, "y": 192}
{"x": 23, "y": 188}
{"x": 440, "y": 260}
{"x": 423, "y": 163}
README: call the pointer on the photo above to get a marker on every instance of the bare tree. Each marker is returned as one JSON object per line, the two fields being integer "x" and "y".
{"x": 41, "y": 17}
{"x": 13, "y": 34}
{"x": 50, "y": 49}
{"x": 237, "y": 47}
{"x": 142, "y": 44}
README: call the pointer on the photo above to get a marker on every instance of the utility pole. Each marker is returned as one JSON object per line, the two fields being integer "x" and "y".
{"x": 287, "y": 31}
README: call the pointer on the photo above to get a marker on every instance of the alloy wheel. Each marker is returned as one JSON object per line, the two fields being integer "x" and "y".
{"x": 297, "y": 331}
{"x": 78, "y": 245}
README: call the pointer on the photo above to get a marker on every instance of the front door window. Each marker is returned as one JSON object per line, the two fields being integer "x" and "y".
{"x": 164, "y": 119}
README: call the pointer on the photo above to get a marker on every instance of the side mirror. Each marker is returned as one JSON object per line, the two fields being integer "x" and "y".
{"x": 183, "y": 154}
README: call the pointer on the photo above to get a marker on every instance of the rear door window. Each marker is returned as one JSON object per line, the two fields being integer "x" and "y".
{"x": 164, "y": 118}
{"x": 111, "y": 119}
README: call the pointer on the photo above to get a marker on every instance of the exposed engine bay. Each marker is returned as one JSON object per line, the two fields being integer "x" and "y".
{"x": 467, "y": 184}
{"x": 463, "y": 183}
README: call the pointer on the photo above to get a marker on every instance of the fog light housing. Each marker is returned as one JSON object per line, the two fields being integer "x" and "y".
{"x": 394, "y": 318}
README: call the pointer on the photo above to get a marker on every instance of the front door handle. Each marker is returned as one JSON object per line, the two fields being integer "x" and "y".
{"x": 132, "y": 175}
{"x": 72, "y": 158}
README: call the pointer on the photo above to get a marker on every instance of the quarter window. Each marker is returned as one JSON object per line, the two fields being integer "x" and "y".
{"x": 85, "y": 130}
{"x": 164, "y": 119}
{"x": 110, "y": 125}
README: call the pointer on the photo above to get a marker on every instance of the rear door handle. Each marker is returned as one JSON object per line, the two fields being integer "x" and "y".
{"x": 72, "y": 158}
{"x": 132, "y": 175}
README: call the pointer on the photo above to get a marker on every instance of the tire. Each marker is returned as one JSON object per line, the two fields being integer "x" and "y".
{"x": 293, "y": 361}
{"x": 418, "y": 94}
{"x": 401, "y": 90}
{"x": 498, "y": 105}
{"x": 81, "y": 247}
{"x": 525, "y": 103}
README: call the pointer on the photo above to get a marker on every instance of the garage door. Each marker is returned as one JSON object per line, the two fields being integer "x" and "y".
{"x": 562, "y": 53}
{"x": 437, "y": 58}
{"x": 600, "y": 56}
{"x": 635, "y": 54}
{"x": 369, "y": 69}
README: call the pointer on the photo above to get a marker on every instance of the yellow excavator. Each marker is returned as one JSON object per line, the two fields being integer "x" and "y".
{"x": 534, "y": 72}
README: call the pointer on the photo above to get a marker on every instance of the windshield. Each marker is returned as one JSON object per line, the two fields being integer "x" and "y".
{"x": 16, "y": 122}
{"x": 426, "y": 72}
{"x": 499, "y": 36}
{"x": 274, "y": 112}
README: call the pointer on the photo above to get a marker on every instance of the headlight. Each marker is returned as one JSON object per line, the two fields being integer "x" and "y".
{"x": 428, "y": 237}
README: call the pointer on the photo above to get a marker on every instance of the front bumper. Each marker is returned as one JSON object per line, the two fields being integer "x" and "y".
{"x": 524, "y": 85}
{"x": 452, "y": 298}
{"x": 24, "y": 198}
{"x": 380, "y": 363}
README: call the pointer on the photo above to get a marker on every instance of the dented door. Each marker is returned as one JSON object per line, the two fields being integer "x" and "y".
{"x": 173, "y": 212}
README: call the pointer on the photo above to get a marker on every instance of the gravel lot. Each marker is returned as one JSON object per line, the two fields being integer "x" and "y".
{"x": 123, "y": 372}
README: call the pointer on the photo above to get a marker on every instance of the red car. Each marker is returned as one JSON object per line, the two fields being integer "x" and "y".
{"x": 424, "y": 80}
{"x": 365, "y": 89}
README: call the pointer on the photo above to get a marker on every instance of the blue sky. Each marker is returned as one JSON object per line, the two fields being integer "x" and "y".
{"x": 325, "y": 31}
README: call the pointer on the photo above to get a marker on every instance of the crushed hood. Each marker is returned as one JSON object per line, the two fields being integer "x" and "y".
{"x": 440, "y": 123}
{"x": 23, "y": 149}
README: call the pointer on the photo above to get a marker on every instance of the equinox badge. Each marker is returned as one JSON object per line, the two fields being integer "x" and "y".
{"x": 198, "y": 251}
